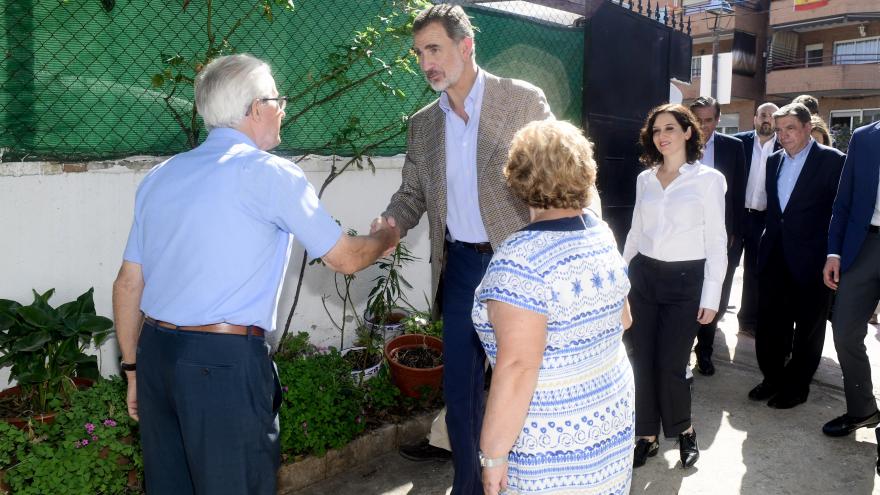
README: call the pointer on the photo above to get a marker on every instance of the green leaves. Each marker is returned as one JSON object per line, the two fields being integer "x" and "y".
{"x": 44, "y": 346}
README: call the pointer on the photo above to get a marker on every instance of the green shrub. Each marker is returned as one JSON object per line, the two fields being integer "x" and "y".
{"x": 12, "y": 441}
{"x": 91, "y": 448}
{"x": 322, "y": 407}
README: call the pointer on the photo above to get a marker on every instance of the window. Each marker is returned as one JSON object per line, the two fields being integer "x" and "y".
{"x": 854, "y": 118}
{"x": 696, "y": 66}
{"x": 729, "y": 123}
{"x": 813, "y": 55}
{"x": 861, "y": 51}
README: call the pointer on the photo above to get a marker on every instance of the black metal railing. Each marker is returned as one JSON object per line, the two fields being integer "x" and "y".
{"x": 783, "y": 61}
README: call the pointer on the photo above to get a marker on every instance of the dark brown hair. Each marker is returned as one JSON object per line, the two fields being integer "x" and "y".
{"x": 707, "y": 101}
{"x": 452, "y": 17}
{"x": 693, "y": 147}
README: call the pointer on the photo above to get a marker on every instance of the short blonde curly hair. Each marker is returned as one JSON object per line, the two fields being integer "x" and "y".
{"x": 550, "y": 165}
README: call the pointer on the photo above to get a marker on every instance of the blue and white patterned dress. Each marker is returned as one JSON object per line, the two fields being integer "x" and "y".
{"x": 578, "y": 435}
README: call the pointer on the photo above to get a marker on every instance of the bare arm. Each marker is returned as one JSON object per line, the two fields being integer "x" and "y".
{"x": 521, "y": 337}
{"x": 354, "y": 253}
{"x": 127, "y": 291}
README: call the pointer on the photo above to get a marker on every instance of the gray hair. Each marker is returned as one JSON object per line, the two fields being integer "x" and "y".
{"x": 451, "y": 17}
{"x": 794, "y": 110}
{"x": 226, "y": 88}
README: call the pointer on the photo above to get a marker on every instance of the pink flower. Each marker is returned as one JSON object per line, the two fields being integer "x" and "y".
{"x": 95, "y": 438}
{"x": 85, "y": 442}
{"x": 90, "y": 427}
{"x": 77, "y": 444}
{"x": 284, "y": 389}
{"x": 109, "y": 422}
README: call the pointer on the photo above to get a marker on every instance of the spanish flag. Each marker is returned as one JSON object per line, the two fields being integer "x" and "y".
{"x": 809, "y": 4}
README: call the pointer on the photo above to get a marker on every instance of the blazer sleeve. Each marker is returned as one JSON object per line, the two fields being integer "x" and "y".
{"x": 739, "y": 190}
{"x": 843, "y": 201}
{"x": 408, "y": 204}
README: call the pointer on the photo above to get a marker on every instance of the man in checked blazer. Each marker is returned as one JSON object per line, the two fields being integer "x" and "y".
{"x": 456, "y": 149}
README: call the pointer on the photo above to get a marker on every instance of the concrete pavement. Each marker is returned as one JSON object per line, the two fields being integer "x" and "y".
{"x": 746, "y": 447}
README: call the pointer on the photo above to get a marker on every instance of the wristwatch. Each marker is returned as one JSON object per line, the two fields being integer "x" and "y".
{"x": 127, "y": 366}
{"x": 493, "y": 462}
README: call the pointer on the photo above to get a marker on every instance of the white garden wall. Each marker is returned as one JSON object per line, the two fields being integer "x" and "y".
{"x": 65, "y": 226}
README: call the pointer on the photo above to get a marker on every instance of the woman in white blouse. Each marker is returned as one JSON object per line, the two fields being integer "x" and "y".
{"x": 677, "y": 255}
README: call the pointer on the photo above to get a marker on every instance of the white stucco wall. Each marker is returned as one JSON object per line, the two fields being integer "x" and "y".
{"x": 65, "y": 226}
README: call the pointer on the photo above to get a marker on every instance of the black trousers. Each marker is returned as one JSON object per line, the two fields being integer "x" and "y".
{"x": 791, "y": 320}
{"x": 857, "y": 296}
{"x": 208, "y": 413}
{"x": 754, "y": 226}
{"x": 665, "y": 299}
{"x": 706, "y": 334}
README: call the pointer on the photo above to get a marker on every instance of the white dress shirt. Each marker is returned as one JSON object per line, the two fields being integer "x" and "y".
{"x": 683, "y": 222}
{"x": 875, "y": 218}
{"x": 463, "y": 219}
{"x": 756, "y": 186}
{"x": 709, "y": 152}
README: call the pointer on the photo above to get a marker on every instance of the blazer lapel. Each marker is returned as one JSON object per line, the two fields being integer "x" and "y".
{"x": 492, "y": 113}
{"x": 436, "y": 159}
{"x": 772, "y": 185}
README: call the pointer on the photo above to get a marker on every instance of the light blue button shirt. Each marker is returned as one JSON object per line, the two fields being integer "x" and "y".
{"x": 789, "y": 172}
{"x": 709, "y": 152}
{"x": 463, "y": 217}
{"x": 212, "y": 230}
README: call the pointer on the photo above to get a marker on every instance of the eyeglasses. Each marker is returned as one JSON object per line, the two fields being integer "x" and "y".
{"x": 282, "y": 101}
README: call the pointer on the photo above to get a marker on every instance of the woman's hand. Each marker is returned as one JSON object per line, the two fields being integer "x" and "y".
{"x": 494, "y": 479}
{"x": 705, "y": 316}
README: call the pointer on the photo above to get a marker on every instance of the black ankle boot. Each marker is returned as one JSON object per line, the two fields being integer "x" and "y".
{"x": 687, "y": 446}
{"x": 645, "y": 448}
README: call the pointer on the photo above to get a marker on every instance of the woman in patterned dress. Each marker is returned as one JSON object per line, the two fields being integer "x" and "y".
{"x": 549, "y": 312}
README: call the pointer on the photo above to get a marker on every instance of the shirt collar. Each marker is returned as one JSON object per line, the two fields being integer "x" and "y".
{"x": 770, "y": 142}
{"x": 710, "y": 141}
{"x": 802, "y": 154}
{"x": 472, "y": 97}
{"x": 229, "y": 134}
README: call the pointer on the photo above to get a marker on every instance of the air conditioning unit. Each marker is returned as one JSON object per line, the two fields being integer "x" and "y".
{"x": 719, "y": 7}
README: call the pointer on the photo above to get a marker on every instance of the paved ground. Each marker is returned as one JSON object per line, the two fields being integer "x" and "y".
{"x": 746, "y": 447}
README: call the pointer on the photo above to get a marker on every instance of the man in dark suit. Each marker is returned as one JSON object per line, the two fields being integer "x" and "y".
{"x": 758, "y": 145}
{"x": 725, "y": 154}
{"x": 853, "y": 270}
{"x": 793, "y": 301}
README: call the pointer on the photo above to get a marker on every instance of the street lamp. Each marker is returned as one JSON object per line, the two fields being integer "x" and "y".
{"x": 717, "y": 8}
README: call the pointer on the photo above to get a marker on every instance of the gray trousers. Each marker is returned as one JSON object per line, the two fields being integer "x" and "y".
{"x": 857, "y": 296}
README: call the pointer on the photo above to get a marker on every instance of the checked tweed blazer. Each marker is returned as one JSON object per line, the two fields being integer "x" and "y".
{"x": 508, "y": 105}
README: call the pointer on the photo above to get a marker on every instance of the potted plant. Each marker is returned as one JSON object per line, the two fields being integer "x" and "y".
{"x": 415, "y": 359}
{"x": 45, "y": 350}
{"x": 365, "y": 357}
{"x": 384, "y": 314}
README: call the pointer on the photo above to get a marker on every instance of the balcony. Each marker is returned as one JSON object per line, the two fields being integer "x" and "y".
{"x": 830, "y": 76}
{"x": 783, "y": 15}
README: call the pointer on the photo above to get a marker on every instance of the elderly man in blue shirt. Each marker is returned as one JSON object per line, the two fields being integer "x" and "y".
{"x": 200, "y": 282}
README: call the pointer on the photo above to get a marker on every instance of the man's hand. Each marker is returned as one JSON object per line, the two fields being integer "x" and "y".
{"x": 706, "y": 315}
{"x": 131, "y": 397}
{"x": 381, "y": 223}
{"x": 831, "y": 272}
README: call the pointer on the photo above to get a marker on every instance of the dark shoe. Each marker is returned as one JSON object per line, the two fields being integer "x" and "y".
{"x": 644, "y": 449}
{"x": 762, "y": 392}
{"x": 424, "y": 451}
{"x": 786, "y": 401}
{"x": 705, "y": 366}
{"x": 877, "y": 434}
{"x": 687, "y": 447}
{"x": 842, "y": 426}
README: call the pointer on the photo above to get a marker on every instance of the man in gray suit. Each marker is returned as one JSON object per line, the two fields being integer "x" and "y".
{"x": 456, "y": 149}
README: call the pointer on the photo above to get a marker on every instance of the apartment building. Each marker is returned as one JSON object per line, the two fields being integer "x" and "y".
{"x": 774, "y": 50}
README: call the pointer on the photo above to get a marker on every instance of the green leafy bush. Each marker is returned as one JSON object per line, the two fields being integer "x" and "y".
{"x": 91, "y": 448}
{"x": 322, "y": 407}
{"x": 12, "y": 441}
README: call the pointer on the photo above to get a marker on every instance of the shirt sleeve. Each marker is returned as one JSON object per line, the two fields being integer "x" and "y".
{"x": 631, "y": 246}
{"x": 133, "y": 249}
{"x": 511, "y": 281}
{"x": 715, "y": 238}
{"x": 294, "y": 207}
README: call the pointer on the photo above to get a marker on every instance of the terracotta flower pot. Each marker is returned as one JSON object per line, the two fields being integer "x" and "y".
{"x": 411, "y": 381}
{"x": 47, "y": 418}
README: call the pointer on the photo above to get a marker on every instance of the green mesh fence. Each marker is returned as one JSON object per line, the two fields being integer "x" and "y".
{"x": 93, "y": 79}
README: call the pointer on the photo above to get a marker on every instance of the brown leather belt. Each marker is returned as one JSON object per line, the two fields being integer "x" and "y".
{"x": 480, "y": 247}
{"x": 222, "y": 328}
